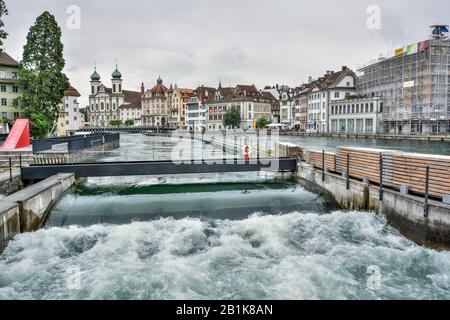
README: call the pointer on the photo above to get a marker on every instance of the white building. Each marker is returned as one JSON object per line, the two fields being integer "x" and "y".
{"x": 355, "y": 115}
{"x": 332, "y": 86}
{"x": 104, "y": 103}
{"x": 195, "y": 113}
{"x": 69, "y": 114}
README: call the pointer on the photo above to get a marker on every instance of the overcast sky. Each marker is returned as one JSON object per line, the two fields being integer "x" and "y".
{"x": 194, "y": 42}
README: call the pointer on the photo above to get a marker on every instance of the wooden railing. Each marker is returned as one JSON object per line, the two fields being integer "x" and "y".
{"x": 421, "y": 174}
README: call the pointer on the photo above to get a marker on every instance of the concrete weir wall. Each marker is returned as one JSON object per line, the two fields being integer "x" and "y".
{"x": 404, "y": 212}
{"x": 27, "y": 209}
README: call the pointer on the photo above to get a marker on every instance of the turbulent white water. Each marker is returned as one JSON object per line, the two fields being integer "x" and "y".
{"x": 293, "y": 256}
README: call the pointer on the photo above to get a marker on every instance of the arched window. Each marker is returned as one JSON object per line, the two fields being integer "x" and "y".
{"x": 102, "y": 106}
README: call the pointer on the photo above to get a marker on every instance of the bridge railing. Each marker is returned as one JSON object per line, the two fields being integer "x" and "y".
{"x": 411, "y": 173}
{"x": 75, "y": 143}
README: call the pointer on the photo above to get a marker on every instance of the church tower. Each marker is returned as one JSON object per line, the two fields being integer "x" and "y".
{"x": 95, "y": 82}
{"x": 116, "y": 82}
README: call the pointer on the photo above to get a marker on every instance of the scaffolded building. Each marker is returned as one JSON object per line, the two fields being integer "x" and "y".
{"x": 414, "y": 83}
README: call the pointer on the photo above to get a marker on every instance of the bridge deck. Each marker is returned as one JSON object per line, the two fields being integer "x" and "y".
{"x": 140, "y": 168}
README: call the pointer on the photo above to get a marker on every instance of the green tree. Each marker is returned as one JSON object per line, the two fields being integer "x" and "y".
{"x": 261, "y": 123}
{"x": 129, "y": 122}
{"x": 41, "y": 74}
{"x": 232, "y": 118}
{"x": 115, "y": 123}
{"x": 3, "y": 34}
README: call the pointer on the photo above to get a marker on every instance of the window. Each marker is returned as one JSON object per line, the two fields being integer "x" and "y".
{"x": 92, "y": 90}
{"x": 348, "y": 83}
{"x": 350, "y": 125}
{"x": 120, "y": 88}
{"x": 4, "y": 102}
{"x": 14, "y": 75}
{"x": 369, "y": 125}
{"x": 359, "y": 125}
{"x": 336, "y": 95}
{"x": 114, "y": 88}
{"x": 3, "y": 88}
{"x": 16, "y": 115}
{"x": 15, "y": 89}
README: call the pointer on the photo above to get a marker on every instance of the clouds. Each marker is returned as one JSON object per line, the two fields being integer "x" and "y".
{"x": 247, "y": 41}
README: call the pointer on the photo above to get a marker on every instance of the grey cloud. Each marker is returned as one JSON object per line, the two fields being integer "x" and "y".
{"x": 197, "y": 41}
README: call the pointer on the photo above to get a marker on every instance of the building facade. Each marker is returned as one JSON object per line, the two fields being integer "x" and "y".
{"x": 180, "y": 97}
{"x": 251, "y": 104}
{"x": 156, "y": 105}
{"x": 69, "y": 119}
{"x": 414, "y": 84}
{"x": 9, "y": 92}
{"x": 196, "y": 109}
{"x": 355, "y": 115}
{"x": 332, "y": 86}
{"x": 105, "y": 103}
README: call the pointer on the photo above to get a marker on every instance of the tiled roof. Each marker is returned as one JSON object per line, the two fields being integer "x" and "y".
{"x": 7, "y": 60}
{"x": 131, "y": 98}
{"x": 72, "y": 92}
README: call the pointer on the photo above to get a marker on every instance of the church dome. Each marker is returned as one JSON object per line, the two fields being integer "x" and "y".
{"x": 116, "y": 74}
{"x": 95, "y": 76}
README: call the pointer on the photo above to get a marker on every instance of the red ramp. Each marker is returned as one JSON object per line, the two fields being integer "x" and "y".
{"x": 19, "y": 137}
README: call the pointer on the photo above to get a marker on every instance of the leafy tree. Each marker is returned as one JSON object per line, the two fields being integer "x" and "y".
{"x": 3, "y": 34}
{"x": 115, "y": 123}
{"x": 261, "y": 123}
{"x": 129, "y": 122}
{"x": 41, "y": 74}
{"x": 232, "y": 118}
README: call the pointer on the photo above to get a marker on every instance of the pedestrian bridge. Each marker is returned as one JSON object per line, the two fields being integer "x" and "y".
{"x": 145, "y": 168}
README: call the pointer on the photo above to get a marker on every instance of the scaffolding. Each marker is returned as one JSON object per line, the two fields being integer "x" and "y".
{"x": 414, "y": 85}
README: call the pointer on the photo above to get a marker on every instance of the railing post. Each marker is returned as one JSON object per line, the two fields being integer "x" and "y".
{"x": 426, "y": 205}
{"x": 381, "y": 178}
{"x": 257, "y": 144}
{"x": 10, "y": 169}
{"x": 323, "y": 165}
{"x": 348, "y": 172}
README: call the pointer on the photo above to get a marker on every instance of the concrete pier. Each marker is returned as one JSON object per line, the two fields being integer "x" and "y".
{"x": 27, "y": 209}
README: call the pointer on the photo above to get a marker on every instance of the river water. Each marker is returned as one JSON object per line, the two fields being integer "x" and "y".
{"x": 220, "y": 236}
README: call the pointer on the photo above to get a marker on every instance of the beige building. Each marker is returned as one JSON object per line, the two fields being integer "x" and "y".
{"x": 9, "y": 91}
{"x": 156, "y": 105}
{"x": 246, "y": 99}
{"x": 180, "y": 97}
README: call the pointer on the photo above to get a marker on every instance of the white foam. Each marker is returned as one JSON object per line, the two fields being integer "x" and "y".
{"x": 294, "y": 256}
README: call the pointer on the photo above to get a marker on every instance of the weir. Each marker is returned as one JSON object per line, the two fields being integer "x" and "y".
{"x": 411, "y": 190}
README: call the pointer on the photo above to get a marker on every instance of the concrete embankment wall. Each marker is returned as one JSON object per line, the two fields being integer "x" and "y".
{"x": 27, "y": 209}
{"x": 404, "y": 212}
{"x": 367, "y": 136}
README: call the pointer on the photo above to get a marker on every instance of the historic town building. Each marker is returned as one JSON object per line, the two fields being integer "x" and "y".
{"x": 105, "y": 103}
{"x": 360, "y": 115}
{"x": 180, "y": 97}
{"x": 246, "y": 99}
{"x": 331, "y": 87}
{"x": 69, "y": 119}
{"x": 9, "y": 92}
{"x": 196, "y": 109}
{"x": 156, "y": 105}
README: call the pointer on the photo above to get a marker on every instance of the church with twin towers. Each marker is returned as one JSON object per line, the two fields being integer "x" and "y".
{"x": 112, "y": 103}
